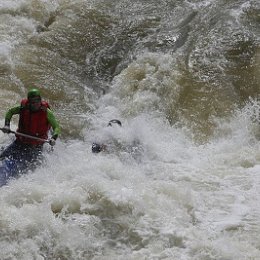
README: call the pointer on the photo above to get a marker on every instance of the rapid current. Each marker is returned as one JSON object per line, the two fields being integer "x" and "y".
{"x": 182, "y": 180}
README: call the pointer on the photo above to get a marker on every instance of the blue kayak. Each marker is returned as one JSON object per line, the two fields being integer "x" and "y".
{"x": 8, "y": 169}
{"x": 18, "y": 159}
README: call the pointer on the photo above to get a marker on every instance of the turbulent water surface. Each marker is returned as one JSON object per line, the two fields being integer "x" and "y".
{"x": 180, "y": 180}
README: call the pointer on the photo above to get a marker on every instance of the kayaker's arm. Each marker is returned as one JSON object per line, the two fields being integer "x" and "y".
{"x": 9, "y": 114}
{"x": 54, "y": 124}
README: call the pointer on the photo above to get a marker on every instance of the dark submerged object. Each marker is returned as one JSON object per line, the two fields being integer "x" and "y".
{"x": 96, "y": 148}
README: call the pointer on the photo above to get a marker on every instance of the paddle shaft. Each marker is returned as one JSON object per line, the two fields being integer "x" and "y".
{"x": 28, "y": 136}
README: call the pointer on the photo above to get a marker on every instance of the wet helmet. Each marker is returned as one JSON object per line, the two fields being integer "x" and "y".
{"x": 34, "y": 92}
{"x": 114, "y": 121}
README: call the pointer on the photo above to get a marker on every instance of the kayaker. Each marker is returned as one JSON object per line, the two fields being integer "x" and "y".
{"x": 99, "y": 147}
{"x": 114, "y": 139}
{"x": 35, "y": 119}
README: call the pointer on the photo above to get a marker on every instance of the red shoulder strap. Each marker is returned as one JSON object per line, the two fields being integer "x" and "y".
{"x": 45, "y": 104}
{"x": 24, "y": 102}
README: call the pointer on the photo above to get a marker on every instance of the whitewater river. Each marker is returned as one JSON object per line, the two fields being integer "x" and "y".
{"x": 181, "y": 178}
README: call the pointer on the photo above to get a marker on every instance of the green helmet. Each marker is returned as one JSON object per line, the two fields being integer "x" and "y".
{"x": 34, "y": 92}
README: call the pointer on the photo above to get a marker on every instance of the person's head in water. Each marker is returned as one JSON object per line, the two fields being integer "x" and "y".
{"x": 34, "y": 98}
{"x": 114, "y": 122}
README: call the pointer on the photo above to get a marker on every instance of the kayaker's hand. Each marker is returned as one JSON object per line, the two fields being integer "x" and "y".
{"x": 6, "y": 129}
{"x": 52, "y": 142}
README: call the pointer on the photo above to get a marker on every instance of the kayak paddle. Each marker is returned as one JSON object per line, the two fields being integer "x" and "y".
{"x": 28, "y": 136}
